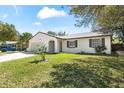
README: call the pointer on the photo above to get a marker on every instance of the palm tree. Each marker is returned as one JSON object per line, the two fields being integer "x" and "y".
{"x": 23, "y": 40}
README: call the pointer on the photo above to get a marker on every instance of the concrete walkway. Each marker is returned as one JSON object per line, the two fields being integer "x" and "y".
{"x": 13, "y": 56}
{"x": 120, "y": 53}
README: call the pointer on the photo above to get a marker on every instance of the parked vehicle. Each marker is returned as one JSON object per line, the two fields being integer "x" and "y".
{"x": 8, "y": 46}
{"x": 4, "y": 49}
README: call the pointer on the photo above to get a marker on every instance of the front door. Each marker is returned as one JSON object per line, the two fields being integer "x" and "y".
{"x": 51, "y": 47}
{"x": 60, "y": 46}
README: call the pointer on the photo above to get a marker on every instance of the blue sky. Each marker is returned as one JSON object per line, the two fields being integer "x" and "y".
{"x": 40, "y": 18}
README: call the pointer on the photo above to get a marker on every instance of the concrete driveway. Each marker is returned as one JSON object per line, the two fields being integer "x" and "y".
{"x": 120, "y": 53}
{"x": 13, "y": 56}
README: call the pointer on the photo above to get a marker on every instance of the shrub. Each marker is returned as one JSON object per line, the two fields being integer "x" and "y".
{"x": 41, "y": 50}
{"x": 82, "y": 52}
{"x": 100, "y": 49}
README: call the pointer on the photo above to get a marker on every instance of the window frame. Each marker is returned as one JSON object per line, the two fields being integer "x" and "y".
{"x": 96, "y": 42}
{"x": 72, "y": 44}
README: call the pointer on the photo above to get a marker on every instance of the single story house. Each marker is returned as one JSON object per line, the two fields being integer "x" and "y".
{"x": 73, "y": 43}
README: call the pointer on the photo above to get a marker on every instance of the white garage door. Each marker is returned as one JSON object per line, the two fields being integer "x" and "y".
{"x": 34, "y": 46}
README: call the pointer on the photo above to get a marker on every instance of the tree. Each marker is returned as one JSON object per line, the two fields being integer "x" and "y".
{"x": 61, "y": 33}
{"x": 52, "y": 33}
{"x": 117, "y": 38}
{"x": 42, "y": 51}
{"x": 23, "y": 40}
{"x": 103, "y": 18}
{"x": 8, "y": 32}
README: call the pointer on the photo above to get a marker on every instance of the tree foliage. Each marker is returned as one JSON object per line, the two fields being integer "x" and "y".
{"x": 60, "y": 33}
{"x": 52, "y": 33}
{"x": 23, "y": 40}
{"x": 106, "y": 18}
{"x": 8, "y": 32}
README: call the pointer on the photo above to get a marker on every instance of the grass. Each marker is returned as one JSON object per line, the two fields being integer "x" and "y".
{"x": 64, "y": 70}
{"x": 1, "y": 52}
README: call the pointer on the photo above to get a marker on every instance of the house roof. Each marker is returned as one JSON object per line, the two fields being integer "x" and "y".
{"x": 78, "y": 35}
{"x": 43, "y": 33}
{"x": 10, "y": 42}
{"x": 85, "y": 35}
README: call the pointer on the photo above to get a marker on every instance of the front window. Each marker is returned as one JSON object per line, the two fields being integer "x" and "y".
{"x": 96, "y": 42}
{"x": 11, "y": 45}
{"x": 72, "y": 44}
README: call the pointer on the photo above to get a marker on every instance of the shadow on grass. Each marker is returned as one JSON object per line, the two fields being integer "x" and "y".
{"x": 95, "y": 54}
{"x": 76, "y": 76}
{"x": 115, "y": 64}
{"x": 91, "y": 72}
{"x": 36, "y": 61}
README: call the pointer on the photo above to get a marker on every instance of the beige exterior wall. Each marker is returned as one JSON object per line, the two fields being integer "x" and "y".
{"x": 42, "y": 38}
{"x": 83, "y": 45}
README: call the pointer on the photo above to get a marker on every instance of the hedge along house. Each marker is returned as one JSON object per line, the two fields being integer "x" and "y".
{"x": 73, "y": 43}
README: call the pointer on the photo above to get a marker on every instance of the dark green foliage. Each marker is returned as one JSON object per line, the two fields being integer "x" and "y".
{"x": 60, "y": 33}
{"x": 100, "y": 49}
{"x": 8, "y": 32}
{"x": 52, "y": 33}
{"x": 104, "y": 18}
{"x": 23, "y": 40}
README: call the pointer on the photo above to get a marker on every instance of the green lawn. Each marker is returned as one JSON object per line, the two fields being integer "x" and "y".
{"x": 64, "y": 70}
{"x": 1, "y": 52}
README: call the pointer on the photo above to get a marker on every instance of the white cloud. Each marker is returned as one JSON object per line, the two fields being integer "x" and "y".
{"x": 38, "y": 23}
{"x": 4, "y": 16}
{"x": 50, "y": 12}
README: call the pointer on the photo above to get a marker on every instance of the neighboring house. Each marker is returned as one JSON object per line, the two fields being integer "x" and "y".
{"x": 73, "y": 43}
{"x": 9, "y": 45}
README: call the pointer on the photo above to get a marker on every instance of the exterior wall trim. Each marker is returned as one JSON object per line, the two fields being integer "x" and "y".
{"x": 85, "y": 37}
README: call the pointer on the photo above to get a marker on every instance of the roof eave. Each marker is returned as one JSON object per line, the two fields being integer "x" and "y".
{"x": 45, "y": 34}
{"x": 84, "y": 37}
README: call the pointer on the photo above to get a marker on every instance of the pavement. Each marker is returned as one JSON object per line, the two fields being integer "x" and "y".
{"x": 13, "y": 56}
{"x": 120, "y": 53}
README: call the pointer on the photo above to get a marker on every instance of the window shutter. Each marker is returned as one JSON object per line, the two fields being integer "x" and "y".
{"x": 67, "y": 43}
{"x": 75, "y": 43}
{"x": 103, "y": 42}
{"x": 90, "y": 42}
